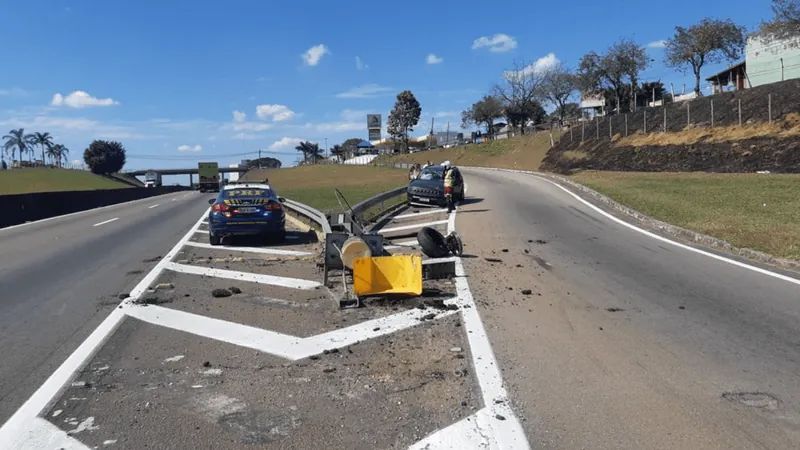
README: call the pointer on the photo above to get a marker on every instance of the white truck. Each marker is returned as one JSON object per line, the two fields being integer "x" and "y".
{"x": 152, "y": 179}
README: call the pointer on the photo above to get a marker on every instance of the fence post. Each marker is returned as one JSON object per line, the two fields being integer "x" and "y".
{"x": 712, "y": 113}
{"x": 769, "y": 106}
{"x": 740, "y": 112}
{"x": 626, "y": 125}
{"x": 570, "y": 134}
{"x": 688, "y": 116}
{"x": 583, "y": 129}
{"x": 665, "y": 117}
{"x": 597, "y": 125}
{"x": 645, "y": 121}
{"x": 610, "y": 134}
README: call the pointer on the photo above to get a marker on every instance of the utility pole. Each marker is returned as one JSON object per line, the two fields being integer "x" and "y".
{"x": 447, "y": 139}
{"x": 259, "y": 158}
{"x": 326, "y": 148}
{"x": 430, "y": 138}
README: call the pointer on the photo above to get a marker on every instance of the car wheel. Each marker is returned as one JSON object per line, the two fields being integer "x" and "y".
{"x": 214, "y": 240}
{"x": 432, "y": 243}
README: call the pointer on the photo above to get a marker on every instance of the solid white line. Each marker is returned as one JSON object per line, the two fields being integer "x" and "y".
{"x": 268, "y": 251}
{"x": 439, "y": 260}
{"x": 141, "y": 200}
{"x": 295, "y": 283}
{"x": 174, "y": 199}
{"x": 42, "y": 434}
{"x": 22, "y": 419}
{"x": 105, "y": 222}
{"x": 153, "y": 206}
{"x": 412, "y": 226}
{"x": 657, "y": 237}
{"x": 421, "y": 213}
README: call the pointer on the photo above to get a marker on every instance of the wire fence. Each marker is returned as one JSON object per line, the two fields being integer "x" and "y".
{"x": 727, "y": 109}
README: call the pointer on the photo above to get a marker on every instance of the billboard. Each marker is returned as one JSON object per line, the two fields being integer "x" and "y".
{"x": 374, "y": 134}
{"x": 373, "y": 121}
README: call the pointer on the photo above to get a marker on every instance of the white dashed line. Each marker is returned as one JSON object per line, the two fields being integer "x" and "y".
{"x": 105, "y": 222}
{"x": 153, "y": 206}
{"x": 412, "y": 226}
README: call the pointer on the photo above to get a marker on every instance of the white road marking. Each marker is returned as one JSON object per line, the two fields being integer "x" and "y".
{"x": 174, "y": 199}
{"x": 76, "y": 213}
{"x": 397, "y": 245}
{"x": 421, "y": 213}
{"x": 175, "y": 358}
{"x": 273, "y": 280}
{"x": 412, "y": 226}
{"x": 24, "y": 430}
{"x": 278, "y": 344}
{"x": 153, "y": 206}
{"x": 733, "y": 262}
{"x": 268, "y": 251}
{"x": 105, "y": 222}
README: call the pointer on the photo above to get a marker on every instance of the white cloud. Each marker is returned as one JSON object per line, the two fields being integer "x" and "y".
{"x": 239, "y": 116}
{"x": 74, "y": 126}
{"x": 278, "y": 113}
{"x": 540, "y": 65}
{"x": 361, "y": 65}
{"x": 447, "y": 114}
{"x": 433, "y": 59}
{"x": 354, "y": 115}
{"x": 16, "y": 92}
{"x": 365, "y": 91}
{"x": 496, "y": 43}
{"x": 81, "y": 99}
{"x": 285, "y": 143}
{"x": 247, "y": 136}
{"x": 339, "y": 127}
{"x": 657, "y": 44}
{"x": 312, "y": 56}
{"x": 240, "y": 123}
{"x": 190, "y": 148}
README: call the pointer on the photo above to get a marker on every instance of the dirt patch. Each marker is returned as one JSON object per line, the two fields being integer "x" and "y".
{"x": 153, "y": 387}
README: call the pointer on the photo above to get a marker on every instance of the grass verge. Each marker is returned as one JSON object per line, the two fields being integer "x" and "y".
{"x": 26, "y": 181}
{"x": 313, "y": 185}
{"x": 520, "y": 152}
{"x": 760, "y": 212}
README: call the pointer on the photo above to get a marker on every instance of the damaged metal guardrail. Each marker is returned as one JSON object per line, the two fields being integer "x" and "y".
{"x": 315, "y": 218}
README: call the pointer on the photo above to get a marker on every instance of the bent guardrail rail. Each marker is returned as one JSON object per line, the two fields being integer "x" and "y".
{"x": 362, "y": 207}
{"x": 317, "y": 219}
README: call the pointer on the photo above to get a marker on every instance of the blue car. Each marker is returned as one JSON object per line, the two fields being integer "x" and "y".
{"x": 246, "y": 209}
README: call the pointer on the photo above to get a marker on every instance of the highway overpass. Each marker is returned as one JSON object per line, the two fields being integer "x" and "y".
{"x": 192, "y": 171}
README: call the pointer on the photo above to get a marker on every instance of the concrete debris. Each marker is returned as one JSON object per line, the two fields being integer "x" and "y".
{"x": 499, "y": 417}
{"x": 123, "y": 296}
{"x": 493, "y": 260}
{"x": 164, "y": 286}
{"x": 540, "y": 241}
{"x": 455, "y": 349}
{"x": 505, "y": 250}
{"x": 235, "y": 290}
{"x": 182, "y": 261}
{"x": 219, "y": 293}
{"x": 328, "y": 352}
{"x": 150, "y": 300}
{"x": 614, "y": 309}
{"x": 526, "y": 251}
{"x": 207, "y": 364}
{"x": 329, "y": 370}
{"x": 430, "y": 316}
{"x": 527, "y": 292}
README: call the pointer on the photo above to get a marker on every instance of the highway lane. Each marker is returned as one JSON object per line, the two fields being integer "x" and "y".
{"x": 60, "y": 278}
{"x": 632, "y": 343}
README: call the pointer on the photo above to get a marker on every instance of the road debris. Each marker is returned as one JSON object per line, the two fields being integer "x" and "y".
{"x": 527, "y": 292}
{"x": 455, "y": 349}
{"x": 493, "y": 260}
{"x": 123, "y": 296}
{"x": 220, "y": 293}
{"x": 235, "y": 290}
{"x": 505, "y": 250}
{"x": 150, "y": 300}
{"x": 614, "y": 309}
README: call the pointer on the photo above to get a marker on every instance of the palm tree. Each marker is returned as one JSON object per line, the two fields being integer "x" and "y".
{"x": 58, "y": 152}
{"x": 310, "y": 151}
{"x": 337, "y": 151}
{"x": 17, "y": 140}
{"x": 44, "y": 140}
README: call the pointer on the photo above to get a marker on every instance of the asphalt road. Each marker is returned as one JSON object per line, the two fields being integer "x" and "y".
{"x": 626, "y": 342}
{"x": 60, "y": 278}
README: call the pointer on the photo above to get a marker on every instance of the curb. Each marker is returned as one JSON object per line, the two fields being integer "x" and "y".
{"x": 647, "y": 221}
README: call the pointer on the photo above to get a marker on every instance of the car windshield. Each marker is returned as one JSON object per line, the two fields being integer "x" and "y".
{"x": 237, "y": 193}
{"x": 430, "y": 174}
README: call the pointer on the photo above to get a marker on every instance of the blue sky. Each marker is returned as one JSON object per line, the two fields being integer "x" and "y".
{"x": 181, "y": 81}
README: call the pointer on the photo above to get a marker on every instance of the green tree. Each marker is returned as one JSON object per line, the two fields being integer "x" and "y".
{"x": 558, "y": 87}
{"x": 60, "y": 152}
{"x": 616, "y": 72}
{"x": 311, "y": 152}
{"x": 520, "y": 93}
{"x": 17, "y": 140}
{"x": 44, "y": 141}
{"x": 568, "y": 111}
{"x": 337, "y": 151}
{"x": 404, "y": 116}
{"x": 350, "y": 147}
{"x": 483, "y": 113}
{"x": 104, "y": 157}
{"x": 708, "y": 42}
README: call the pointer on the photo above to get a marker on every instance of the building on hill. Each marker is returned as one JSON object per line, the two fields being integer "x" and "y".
{"x": 735, "y": 75}
{"x": 770, "y": 60}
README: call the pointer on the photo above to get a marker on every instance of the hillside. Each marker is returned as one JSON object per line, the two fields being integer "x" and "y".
{"x": 24, "y": 181}
{"x": 520, "y": 152}
{"x": 690, "y": 143}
